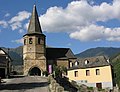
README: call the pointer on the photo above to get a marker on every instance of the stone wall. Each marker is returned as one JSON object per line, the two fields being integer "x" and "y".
{"x": 54, "y": 86}
{"x": 29, "y": 64}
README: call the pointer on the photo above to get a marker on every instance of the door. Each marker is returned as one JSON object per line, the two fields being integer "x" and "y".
{"x": 99, "y": 85}
{"x": 2, "y": 72}
{"x": 35, "y": 71}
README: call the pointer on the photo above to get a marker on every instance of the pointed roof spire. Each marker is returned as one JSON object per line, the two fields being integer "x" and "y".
{"x": 34, "y": 25}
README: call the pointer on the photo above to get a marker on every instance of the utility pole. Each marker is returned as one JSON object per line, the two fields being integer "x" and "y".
{"x": 8, "y": 65}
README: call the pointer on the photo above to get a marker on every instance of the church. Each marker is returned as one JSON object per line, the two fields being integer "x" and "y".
{"x": 37, "y": 57}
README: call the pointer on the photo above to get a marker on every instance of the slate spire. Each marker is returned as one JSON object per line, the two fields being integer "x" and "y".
{"x": 34, "y": 25}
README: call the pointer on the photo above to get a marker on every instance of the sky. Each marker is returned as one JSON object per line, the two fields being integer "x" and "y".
{"x": 75, "y": 24}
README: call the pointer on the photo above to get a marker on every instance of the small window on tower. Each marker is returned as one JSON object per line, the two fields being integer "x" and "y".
{"x": 30, "y": 41}
{"x": 24, "y": 41}
{"x": 38, "y": 40}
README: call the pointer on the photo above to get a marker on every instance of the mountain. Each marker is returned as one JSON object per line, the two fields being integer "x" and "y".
{"x": 106, "y": 51}
{"x": 15, "y": 54}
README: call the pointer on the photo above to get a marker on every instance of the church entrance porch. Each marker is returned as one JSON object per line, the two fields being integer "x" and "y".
{"x": 35, "y": 71}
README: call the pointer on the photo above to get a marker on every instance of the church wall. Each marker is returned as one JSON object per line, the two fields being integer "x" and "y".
{"x": 28, "y": 64}
{"x": 63, "y": 63}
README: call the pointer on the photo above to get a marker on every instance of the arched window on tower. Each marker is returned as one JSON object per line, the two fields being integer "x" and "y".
{"x": 24, "y": 41}
{"x": 38, "y": 40}
{"x": 30, "y": 40}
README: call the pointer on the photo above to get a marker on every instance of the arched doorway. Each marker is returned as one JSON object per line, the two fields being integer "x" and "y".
{"x": 35, "y": 71}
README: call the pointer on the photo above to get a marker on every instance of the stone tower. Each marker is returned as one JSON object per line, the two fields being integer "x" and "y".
{"x": 34, "y": 49}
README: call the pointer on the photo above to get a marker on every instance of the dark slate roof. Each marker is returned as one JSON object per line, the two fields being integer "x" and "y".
{"x": 59, "y": 53}
{"x": 34, "y": 25}
{"x": 3, "y": 59}
{"x": 98, "y": 61}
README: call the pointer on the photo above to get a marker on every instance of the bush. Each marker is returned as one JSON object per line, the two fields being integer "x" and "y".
{"x": 45, "y": 73}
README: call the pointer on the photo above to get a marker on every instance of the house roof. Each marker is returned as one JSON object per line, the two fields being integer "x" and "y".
{"x": 3, "y": 61}
{"x": 59, "y": 53}
{"x": 3, "y": 58}
{"x": 91, "y": 62}
{"x": 34, "y": 25}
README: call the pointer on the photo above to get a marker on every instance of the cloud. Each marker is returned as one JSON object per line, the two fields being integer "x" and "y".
{"x": 7, "y": 15}
{"x": 21, "y": 16}
{"x": 79, "y": 20}
{"x": 16, "y": 22}
{"x": 16, "y": 25}
{"x": 97, "y": 33}
{"x": 3, "y": 23}
{"x": 21, "y": 31}
{"x": 26, "y": 26}
{"x": 19, "y": 41}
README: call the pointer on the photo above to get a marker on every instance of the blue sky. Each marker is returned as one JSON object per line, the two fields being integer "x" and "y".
{"x": 75, "y": 24}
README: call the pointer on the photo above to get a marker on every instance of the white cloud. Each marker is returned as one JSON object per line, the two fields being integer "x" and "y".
{"x": 21, "y": 16}
{"x": 18, "y": 41}
{"x": 26, "y": 26}
{"x": 79, "y": 19}
{"x": 17, "y": 22}
{"x": 3, "y": 23}
{"x": 16, "y": 25}
{"x": 97, "y": 33}
{"x": 7, "y": 14}
{"x": 21, "y": 31}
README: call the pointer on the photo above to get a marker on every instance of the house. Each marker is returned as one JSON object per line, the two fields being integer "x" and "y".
{"x": 5, "y": 64}
{"x": 37, "y": 57}
{"x": 93, "y": 72}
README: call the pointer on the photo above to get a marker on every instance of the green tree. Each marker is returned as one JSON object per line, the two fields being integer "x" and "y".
{"x": 59, "y": 70}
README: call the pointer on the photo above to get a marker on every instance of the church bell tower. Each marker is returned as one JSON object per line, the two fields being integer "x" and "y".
{"x": 34, "y": 49}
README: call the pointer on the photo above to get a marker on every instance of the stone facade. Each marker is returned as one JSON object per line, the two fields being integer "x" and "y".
{"x": 34, "y": 46}
{"x": 34, "y": 53}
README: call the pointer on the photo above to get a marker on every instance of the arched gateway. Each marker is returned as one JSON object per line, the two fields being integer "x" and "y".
{"x": 35, "y": 71}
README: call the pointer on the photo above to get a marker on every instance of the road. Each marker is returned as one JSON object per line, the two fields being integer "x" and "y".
{"x": 25, "y": 84}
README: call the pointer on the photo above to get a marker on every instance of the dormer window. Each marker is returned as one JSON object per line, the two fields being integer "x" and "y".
{"x": 86, "y": 62}
{"x": 71, "y": 64}
{"x": 30, "y": 41}
{"x": 76, "y": 63}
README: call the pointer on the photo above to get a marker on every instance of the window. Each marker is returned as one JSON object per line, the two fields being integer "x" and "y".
{"x": 86, "y": 61}
{"x": 38, "y": 40}
{"x": 97, "y": 71}
{"x": 71, "y": 64}
{"x": 24, "y": 41}
{"x": 76, "y": 63}
{"x": 30, "y": 41}
{"x": 76, "y": 73}
{"x": 87, "y": 72}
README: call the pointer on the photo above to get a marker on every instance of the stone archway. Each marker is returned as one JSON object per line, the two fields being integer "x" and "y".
{"x": 35, "y": 71}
